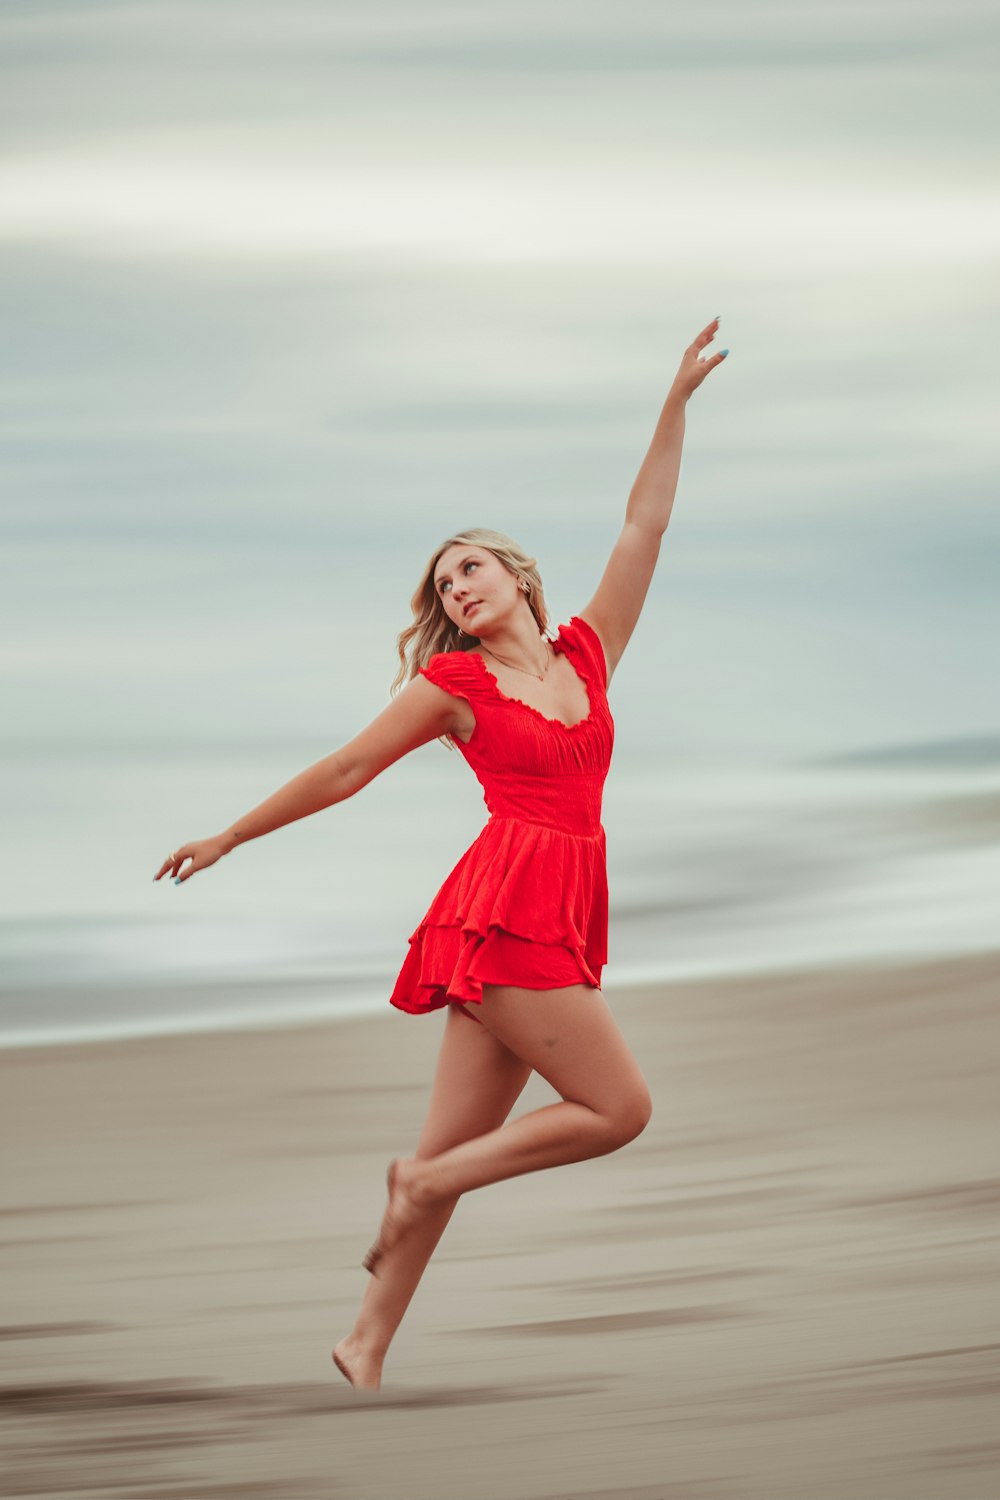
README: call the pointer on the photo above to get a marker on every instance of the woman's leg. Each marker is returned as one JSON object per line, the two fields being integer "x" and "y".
{"x": 572, "y": 1039}
{"x": 476, "y": 1084}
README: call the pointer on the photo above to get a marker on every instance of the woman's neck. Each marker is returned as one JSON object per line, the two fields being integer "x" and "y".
{"x": 520, "y": 643}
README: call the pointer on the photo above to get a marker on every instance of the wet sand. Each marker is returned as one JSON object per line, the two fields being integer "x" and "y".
{"x": 786, "y": 1287}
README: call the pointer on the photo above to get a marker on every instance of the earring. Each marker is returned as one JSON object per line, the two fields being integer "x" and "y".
{"x": 461, "y": 631}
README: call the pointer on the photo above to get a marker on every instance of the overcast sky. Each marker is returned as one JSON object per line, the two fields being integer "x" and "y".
{"x": 290, "y": 292}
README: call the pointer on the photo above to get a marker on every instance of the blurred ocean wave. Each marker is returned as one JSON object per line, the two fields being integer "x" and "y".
{"x": 712, "y": 871}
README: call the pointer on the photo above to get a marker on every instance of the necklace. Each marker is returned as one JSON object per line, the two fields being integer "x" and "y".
{"x": 540, "y": 675}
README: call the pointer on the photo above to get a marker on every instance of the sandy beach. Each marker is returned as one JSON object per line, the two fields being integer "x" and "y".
{"x": 786, "y": 1287}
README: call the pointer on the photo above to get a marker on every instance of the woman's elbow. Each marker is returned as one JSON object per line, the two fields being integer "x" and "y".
{"x": 342, "y": 775}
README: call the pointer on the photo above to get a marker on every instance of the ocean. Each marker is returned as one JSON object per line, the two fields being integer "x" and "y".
{"x": 713, "y": 869}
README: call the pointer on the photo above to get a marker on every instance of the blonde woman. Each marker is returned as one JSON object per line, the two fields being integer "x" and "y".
{"x": 514, "y": 942}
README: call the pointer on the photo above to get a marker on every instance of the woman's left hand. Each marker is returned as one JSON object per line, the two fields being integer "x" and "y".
{"x": 201, "y": 852}
{"x": 694, "y": 369}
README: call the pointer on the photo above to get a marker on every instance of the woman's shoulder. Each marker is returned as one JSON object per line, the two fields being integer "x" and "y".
{"x": 455, "y": 671}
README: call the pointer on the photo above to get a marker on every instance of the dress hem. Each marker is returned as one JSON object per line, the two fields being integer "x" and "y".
{"x": 451, "y": 964}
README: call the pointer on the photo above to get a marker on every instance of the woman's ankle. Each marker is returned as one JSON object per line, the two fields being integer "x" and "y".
{"x": 427, "y": 1187}
{"x": 364, "y": 1353}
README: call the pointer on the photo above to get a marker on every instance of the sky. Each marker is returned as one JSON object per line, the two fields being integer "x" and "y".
{"x": 291, "y": 292}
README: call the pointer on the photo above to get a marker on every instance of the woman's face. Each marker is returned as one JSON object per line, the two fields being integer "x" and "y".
{"x": 475, "y": 589}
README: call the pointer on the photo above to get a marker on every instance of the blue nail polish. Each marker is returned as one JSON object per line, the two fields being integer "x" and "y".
{"x": 177, "y": 880}
{"x": 723, "y": 352}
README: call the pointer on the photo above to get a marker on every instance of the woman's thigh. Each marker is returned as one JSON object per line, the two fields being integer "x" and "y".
{"x": 477, "y": 1082}
{"x": 572, "y": 1039}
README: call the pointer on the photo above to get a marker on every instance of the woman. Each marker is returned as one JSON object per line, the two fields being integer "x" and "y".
{"x": 515, "y": 938}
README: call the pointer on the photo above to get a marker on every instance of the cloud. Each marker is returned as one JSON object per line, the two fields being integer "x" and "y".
{"x": 163, "y": 203}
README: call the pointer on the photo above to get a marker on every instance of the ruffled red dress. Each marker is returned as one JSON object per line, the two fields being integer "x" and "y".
{"x": 527, "y": 904}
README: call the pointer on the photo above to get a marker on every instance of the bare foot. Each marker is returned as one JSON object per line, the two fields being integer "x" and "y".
{"x": 358, "y": 1368}
{"x": 409, "y": 1184}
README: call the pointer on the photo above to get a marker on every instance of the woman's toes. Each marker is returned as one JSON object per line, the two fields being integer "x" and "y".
{"x": 395, "y": 1219}
{"x": 402, "y": 1211}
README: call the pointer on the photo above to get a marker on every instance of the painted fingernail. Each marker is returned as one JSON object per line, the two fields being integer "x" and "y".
{"x": 177, "y": 880}
{"x": 724, "y": 352}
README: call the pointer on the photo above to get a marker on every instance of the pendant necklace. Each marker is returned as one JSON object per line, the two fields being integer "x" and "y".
{"x": 539, "y": 675}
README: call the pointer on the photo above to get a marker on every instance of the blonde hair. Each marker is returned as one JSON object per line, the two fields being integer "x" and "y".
{"x": 432, "y": 631}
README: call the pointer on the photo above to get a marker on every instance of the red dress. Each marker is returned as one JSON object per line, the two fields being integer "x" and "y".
{"x": 527, "y": 904}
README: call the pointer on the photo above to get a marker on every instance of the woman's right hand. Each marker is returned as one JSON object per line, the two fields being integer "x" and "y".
{"x": 201, "y": 853}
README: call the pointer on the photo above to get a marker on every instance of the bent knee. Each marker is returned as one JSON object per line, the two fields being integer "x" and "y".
{"x": 629, "y": 1119}
{"x": 641, "y": 1113}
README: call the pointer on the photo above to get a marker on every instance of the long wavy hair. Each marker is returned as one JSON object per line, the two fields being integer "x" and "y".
{"x": 432, "y": 631}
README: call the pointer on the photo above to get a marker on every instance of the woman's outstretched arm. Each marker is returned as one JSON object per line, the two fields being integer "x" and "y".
{"x": 615, "y": 608}
{"x": 421, "y": 713}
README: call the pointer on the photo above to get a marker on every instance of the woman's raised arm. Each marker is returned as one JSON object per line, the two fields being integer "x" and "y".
{"x": 615, "y": 608}
{"x": 419, "y": 714}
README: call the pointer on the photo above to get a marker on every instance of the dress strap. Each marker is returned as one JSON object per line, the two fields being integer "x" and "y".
{"x": 456, "y": 673}
{"x": 585, "y": 643}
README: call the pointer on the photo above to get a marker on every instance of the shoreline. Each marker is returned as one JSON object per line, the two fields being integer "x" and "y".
{"x": 782, "y": 1288}
{"x": 376, "y": 1002}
